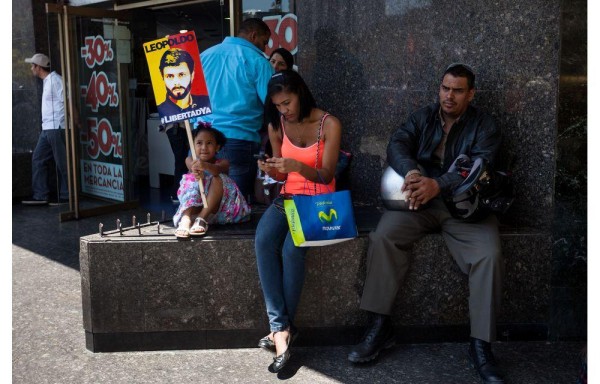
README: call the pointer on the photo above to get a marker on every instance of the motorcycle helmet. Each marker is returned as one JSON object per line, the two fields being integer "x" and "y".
{"x": 391, "y": 195}
{"x": 481, "y": 192}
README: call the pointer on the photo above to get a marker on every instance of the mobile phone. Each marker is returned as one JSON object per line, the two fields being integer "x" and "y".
{"x": 260, "y": 156}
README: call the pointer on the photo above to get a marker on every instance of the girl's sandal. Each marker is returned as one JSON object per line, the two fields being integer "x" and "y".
{"x": 182, "y": 233}
{"x": 199, "y": 228}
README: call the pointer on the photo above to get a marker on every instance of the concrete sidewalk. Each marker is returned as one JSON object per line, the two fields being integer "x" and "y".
{"x": 49, "y": 343}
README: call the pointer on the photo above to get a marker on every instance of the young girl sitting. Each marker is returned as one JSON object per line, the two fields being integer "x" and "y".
{"x": 224, "y": 201}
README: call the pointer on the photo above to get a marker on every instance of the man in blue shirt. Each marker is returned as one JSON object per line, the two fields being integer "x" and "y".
{"x": 237, "y": 73}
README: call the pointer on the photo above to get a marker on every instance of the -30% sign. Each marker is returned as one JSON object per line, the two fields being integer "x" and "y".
{"x": 100, "y": 138}
{"x": 96, "y": 50}
{"x": 100, "y": 91}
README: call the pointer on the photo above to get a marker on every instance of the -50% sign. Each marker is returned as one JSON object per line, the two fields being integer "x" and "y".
{"x": 100, "y": 138}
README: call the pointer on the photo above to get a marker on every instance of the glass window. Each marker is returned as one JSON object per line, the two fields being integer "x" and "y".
{"x": 280, "y": 16}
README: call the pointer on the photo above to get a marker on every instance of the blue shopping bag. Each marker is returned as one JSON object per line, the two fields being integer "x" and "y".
{"x": 317, "y": 220}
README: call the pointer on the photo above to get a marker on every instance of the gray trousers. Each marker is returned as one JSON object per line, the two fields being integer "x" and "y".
{"x": 474, "y": 246}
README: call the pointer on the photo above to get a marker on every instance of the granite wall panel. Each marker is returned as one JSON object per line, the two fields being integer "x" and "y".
{"x": 569, "y": 253}
{"x": 116, "y": 291}
{"x": 371, "y": 65}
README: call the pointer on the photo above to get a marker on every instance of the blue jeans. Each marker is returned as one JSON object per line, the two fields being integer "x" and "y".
{"x": 50, "y": 145}
{"x": 280, "y": 266}
{"x": 242, "y": 164}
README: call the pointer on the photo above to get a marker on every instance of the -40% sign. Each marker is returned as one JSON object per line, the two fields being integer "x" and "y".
{"x": 100, "y": 91}
{"x": 101, "y": 138}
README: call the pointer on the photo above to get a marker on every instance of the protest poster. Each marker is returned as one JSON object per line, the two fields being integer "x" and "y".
{"x": 177, "y": 77}
{"x": 178, "y": 83}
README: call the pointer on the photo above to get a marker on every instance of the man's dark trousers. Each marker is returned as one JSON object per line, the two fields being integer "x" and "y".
{"x": 242, "y": 164}
{"x": 474, "y": 246}
{"x": 50, "y": 145}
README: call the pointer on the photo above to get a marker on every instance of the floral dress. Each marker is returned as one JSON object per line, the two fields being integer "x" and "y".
{"x": 233, "y": 207}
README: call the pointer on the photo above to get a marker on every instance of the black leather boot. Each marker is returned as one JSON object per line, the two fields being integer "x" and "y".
{"x": 378, "y": 336}
{"x": 484, "y": 362}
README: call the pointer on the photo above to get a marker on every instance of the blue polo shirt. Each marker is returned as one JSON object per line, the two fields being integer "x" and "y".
{"x": 237, "y": 74}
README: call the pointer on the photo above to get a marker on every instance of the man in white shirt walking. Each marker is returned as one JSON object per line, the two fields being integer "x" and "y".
{"x": 51, "y": 143}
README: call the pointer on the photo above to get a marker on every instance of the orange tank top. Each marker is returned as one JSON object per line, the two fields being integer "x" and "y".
{"x": 296, "y": 184}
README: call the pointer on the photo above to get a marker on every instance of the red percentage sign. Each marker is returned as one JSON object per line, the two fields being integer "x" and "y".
{"x": 100, "y": 138}
{"x": 108, "y": 50}
{"x": 96, "y": 50}
{"x": 117, "y": 144}
{"x": 100, "y": 92}
{"x": 108, "y": 139}
{"x": 114, "y": 96}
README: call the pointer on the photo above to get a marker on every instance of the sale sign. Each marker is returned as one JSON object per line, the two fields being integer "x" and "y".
{"x": 102, "y": 179}
{"x": 284, "y": 32}
{"x": 101, "y": 168}
{"x": 177, "y": 77}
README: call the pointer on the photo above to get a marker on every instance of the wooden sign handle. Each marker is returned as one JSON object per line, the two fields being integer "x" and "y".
{"x": 188, "y": 129}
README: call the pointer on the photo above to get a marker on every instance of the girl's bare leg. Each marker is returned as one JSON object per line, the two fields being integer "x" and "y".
{"x": 213, "y": 202}
{"x": 183, "y": 227}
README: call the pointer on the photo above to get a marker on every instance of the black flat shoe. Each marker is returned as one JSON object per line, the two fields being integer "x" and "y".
{"x": 267, "y": 344}
{"x": 280, "y": 361}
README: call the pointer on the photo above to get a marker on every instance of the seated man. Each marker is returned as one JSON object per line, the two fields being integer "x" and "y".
{"x": 432, "y": 138}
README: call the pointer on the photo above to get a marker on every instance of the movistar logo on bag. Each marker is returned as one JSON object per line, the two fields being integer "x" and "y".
{"x": 328, "y": 218}
{"x": 320, "y": 219}
{"x": 325, "y": 217}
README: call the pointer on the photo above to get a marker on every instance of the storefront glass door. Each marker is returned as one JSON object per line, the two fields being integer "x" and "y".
{"x": 95, "y": 49}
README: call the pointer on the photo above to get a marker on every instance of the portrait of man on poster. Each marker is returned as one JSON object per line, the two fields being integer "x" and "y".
{"x": 177, "y": 71}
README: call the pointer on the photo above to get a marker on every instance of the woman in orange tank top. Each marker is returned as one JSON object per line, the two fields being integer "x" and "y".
{"x": 306, "y": 144}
